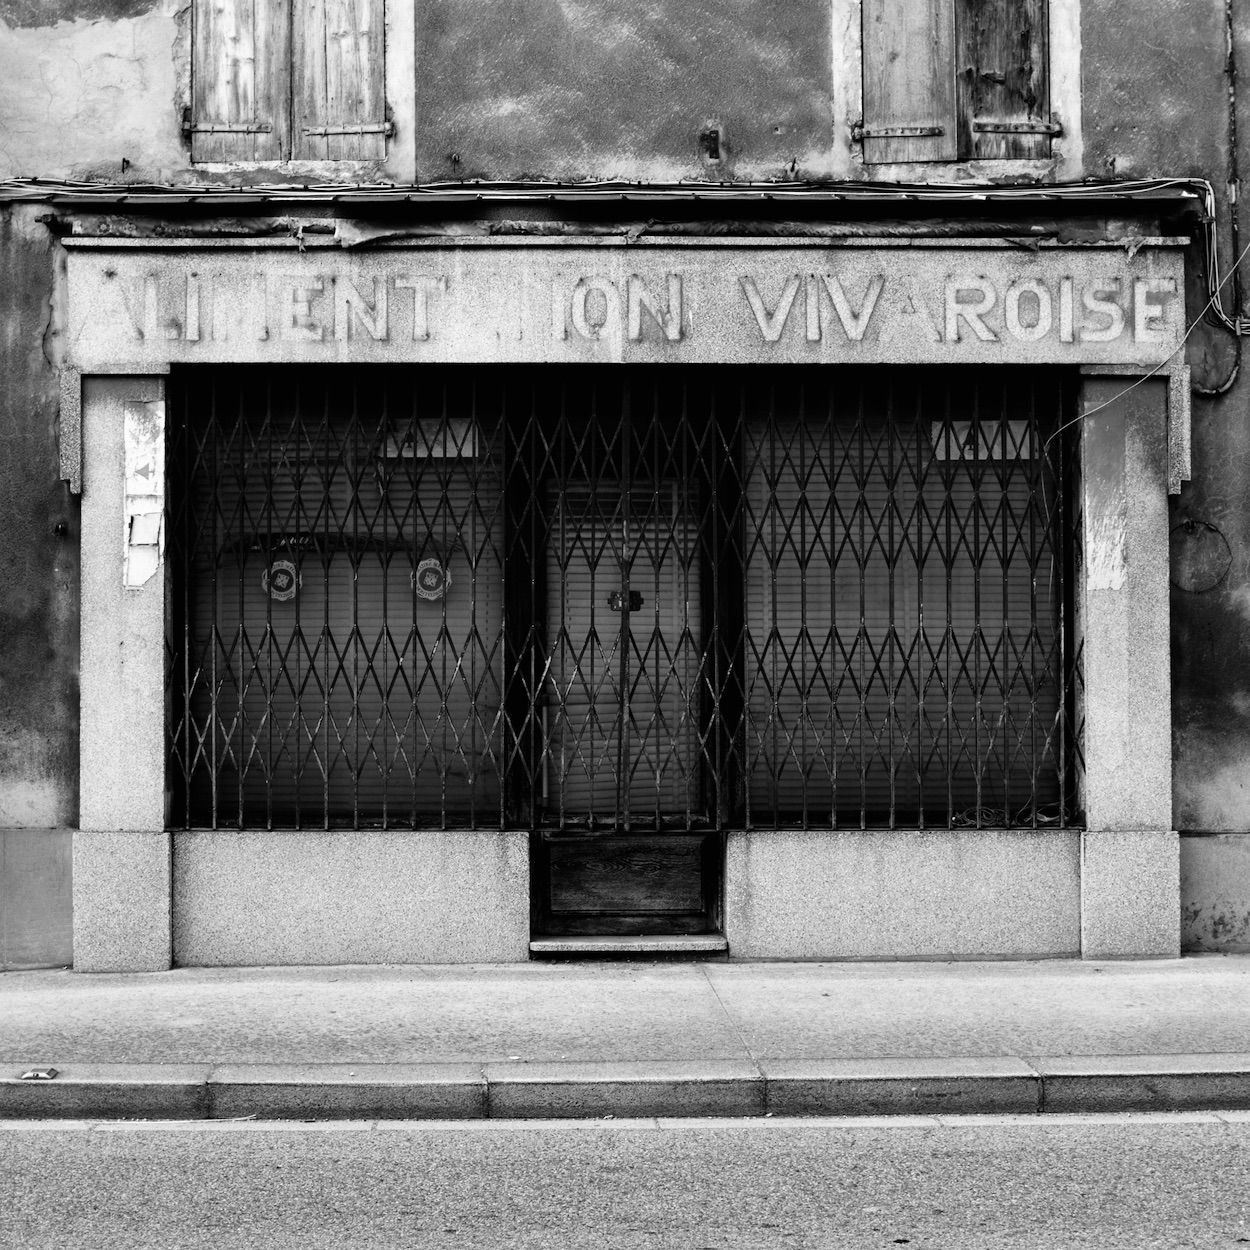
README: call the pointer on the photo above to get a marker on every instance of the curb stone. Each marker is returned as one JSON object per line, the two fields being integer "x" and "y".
{"x": 724, "y": 1087}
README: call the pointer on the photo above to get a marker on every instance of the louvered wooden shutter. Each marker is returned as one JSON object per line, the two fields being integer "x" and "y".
{"x": 240, "y": 80}
{"x": 909, "y": 80}
{"x": 1003, "y": 83}
{"x": 339, "y": 87}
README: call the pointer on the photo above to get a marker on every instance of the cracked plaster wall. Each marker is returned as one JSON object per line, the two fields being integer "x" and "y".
{"x": 91, "y": 92}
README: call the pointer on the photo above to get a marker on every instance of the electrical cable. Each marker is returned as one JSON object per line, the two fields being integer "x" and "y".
{"x": 1145, "y": 377}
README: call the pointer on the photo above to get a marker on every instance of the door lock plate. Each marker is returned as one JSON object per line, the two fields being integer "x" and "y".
{"x": 616, "y": 601}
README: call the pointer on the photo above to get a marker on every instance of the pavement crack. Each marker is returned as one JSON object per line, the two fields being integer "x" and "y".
{"x": 733, "y": 1024}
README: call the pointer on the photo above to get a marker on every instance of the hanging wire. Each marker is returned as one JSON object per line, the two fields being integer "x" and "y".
{"x": 1145, "y": 377}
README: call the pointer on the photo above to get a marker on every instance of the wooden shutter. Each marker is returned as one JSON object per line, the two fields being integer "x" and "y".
{"x": 339, "y": 88}
{"x": 1003, "y": 86}
{"x": 240, "y": 80}
{"x": 909, "y": 80}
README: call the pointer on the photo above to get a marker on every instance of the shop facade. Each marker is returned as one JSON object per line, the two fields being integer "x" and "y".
{"x": 481, "y": 598}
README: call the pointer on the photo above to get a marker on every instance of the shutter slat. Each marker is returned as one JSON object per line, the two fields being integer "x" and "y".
{"x": 909, "y": 80}
{"x": 340, "y": 93}
{"x": 1003, "y": 77}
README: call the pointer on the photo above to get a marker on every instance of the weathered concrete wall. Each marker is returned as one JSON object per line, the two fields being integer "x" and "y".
{"x": 38, "y": 612}
{"x": 575, "y": 89}
{"x": 38, "y": 547}
{"x": 1165, "y": 110}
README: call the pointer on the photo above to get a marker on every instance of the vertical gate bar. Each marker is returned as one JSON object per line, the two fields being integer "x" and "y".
{"x": 412, "y": 642}
{"x": 268, "y": 632}
{"x": 624, "y": 640}
{"x": 949, "y": 731}
{"x": 299, "y": 559}
{"x": 561, "y": 439}
{"x": 891, "y": 641}
{"x": 834, "y": 420}
{"x": 804, "y": 640}
{"x": 861, "y": 641}
{"x": 381, "y": 516}
{"x": 923, "y": 453}
{"x": 711, "y": 721}
{"x": 214, "y": 591}
{"x": 977, "y": 635}
{"x": 357, "y": 764}
{"x": 1003, "y": 463}
{"x": 1034, "y": 469}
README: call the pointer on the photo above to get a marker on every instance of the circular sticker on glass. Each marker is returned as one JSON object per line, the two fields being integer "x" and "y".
{"x": 431, "y": 579}
{"x": 281, "y": 580}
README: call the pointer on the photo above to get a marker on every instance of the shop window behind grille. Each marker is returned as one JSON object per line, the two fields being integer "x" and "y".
{"x": 619, "y": 599}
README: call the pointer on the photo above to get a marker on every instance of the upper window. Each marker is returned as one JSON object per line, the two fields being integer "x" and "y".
{"x": 278, "y": 80}
{"x": 948, "y": 80}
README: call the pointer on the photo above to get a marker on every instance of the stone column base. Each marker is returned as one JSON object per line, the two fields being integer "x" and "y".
{"x": 1130, "y": 895}
{"x": 121, "y": 902}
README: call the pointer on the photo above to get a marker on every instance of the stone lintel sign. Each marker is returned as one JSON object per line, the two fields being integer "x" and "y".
{"x": 577, "y": 304}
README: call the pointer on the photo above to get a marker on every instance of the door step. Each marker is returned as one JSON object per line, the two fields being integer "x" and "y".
{"x": 648, "y": 944}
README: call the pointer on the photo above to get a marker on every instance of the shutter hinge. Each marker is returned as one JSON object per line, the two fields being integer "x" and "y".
{"x": 191, "y": 127}
{"x": 353, "y": 128}
{"x": 989, "y": 127}
{"x": 860, "y": 132}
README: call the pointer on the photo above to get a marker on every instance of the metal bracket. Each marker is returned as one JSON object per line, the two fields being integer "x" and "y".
{"x": 386, "y": 128}
{"x": 984, "y": 127}
{"x": 191, "y": 127}
{"x": 860, "y": 132}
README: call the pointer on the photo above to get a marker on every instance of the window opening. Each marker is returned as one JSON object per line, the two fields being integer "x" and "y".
{"x": 621, "y": 600}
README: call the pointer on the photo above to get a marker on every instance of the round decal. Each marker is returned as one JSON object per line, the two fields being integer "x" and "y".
{"x": 281, "y": 580}
{"x": 431, "y": 579}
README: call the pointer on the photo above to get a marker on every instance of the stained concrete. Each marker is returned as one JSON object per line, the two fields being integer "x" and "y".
{"x": 121, "y": 901}
{"x": 350, "y": 897}
{"x": 38, "y": 545}
{"x": 1130, "y": 894}
{"x": 1215, "y": 892}
{"x": 35, "y": 898}
{"x": 893, "y": 894}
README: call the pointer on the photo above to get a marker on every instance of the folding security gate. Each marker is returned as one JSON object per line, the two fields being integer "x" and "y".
{"x": 627, "y": 609}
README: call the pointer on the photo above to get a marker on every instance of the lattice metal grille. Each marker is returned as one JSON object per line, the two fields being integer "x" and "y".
{"x": 620, "y": 599}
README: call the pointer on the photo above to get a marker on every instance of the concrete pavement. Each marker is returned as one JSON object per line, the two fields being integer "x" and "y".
{"x": 628, "y": 1039}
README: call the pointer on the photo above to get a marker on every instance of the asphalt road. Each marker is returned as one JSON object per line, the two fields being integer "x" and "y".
{"x": 1031, "y": 1182}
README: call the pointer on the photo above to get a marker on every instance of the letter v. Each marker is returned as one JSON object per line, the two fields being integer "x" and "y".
{"x": 854, "y": 323}
{"x": 771, "y": 323}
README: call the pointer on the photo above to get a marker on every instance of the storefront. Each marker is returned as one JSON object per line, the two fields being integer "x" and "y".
{"x": 467, "y": 600}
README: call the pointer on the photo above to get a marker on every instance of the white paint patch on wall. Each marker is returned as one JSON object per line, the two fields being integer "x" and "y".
{"x": 1106, "y": 553}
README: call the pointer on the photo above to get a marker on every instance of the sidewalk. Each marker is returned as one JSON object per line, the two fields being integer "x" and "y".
{"x": 628, "y": 1039}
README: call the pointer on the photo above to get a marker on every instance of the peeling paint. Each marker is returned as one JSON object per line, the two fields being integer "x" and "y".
{"x": 1107, "y": 565}
{"x": 50, "y": 12}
